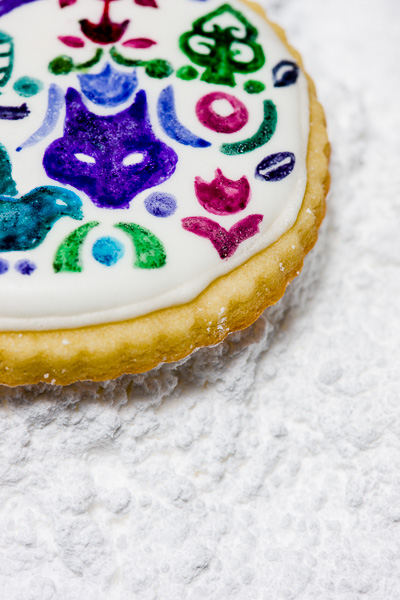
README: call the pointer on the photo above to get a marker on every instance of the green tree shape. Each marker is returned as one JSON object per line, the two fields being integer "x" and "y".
{"x": 221, "y": 61}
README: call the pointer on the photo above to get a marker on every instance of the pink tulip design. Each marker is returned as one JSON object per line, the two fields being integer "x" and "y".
{"x": 223, "y": 196}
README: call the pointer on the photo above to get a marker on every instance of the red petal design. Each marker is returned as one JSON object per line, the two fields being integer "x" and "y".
{"x": 139, "y": 43}
{"x": 151, "y": 3}
{"x": 64, "y": 3}
{"x": 71, "y": 41}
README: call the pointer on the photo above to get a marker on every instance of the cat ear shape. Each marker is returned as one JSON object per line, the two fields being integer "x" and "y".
{"x": 138, "y": 110}
{"x": 76, "y": 110}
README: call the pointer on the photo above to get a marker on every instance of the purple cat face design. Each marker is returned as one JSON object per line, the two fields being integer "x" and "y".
{"x": 112, "y": 159}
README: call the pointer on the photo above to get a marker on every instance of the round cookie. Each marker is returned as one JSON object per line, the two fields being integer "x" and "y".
{"x": 161, "y": 180}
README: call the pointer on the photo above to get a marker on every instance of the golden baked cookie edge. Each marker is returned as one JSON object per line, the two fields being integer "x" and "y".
{"x": 230, "y": 303}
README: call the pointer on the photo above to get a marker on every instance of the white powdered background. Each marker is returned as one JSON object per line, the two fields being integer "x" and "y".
{"x": 268, "y": 467}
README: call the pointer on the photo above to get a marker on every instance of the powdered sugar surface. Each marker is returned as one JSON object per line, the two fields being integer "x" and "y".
{"x": 266, "y": 467}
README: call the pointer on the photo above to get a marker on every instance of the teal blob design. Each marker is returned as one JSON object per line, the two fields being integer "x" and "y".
{"x": 108, "y": 251}
{"x": 28, "y": 87}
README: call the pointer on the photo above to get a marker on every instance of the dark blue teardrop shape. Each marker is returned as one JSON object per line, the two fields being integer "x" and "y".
{"x": 276, "y": 167}
{"x": 285, "y": 73}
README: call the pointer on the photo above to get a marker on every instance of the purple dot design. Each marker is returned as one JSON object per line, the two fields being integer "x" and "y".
{"x": 161, "y": 205}
{"x": 25, "y": 267}
{"x": 3, "y": 266}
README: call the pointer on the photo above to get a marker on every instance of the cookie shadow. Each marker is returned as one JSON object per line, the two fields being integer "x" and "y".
{"x": 204, "y": 367}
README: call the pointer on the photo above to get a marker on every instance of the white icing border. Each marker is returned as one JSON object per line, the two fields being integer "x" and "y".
{"x": 74, "y": 308}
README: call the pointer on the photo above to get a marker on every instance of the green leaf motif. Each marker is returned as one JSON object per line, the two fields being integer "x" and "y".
{"x": 223, "y": 46}
{"x": 150, "y": 252}
{"x": 156, "y": 68}
{"x": 64, "y": 65}
{"x": 68, "y": 255}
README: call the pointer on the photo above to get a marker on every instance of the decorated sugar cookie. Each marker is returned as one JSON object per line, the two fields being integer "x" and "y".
{"x": 163, "y": 171}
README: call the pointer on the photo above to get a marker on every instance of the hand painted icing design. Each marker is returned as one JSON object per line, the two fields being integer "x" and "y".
{"x": 109, "y": 87}
{"x": 7, "y": 184}
{"x": 14, "y": 113}
{"x": 149, "y": 250}
{"x": 112, "y": 159}
{"x": 151, "y": 3}
{"x": 223, "y": 196}
{"x": 7, "y": 55}
{"x": 285, "y": 73}
{"x": 104, "y": 33}
{"x": 55, "y": 103}
{"x": 160, "y": 204}
{"x": 28, "y": 86}
{"x": 68, "y": 257}
{"x": 260, "y": 138}
{"x": 25, "y": 267}
{"x": 64, "y": 65}
{"x": 65, "y": 3}
{"x": 276, "y": 167}
{"x": 72, "y": 41}
{"x": 9, "y": 113}
{"x": 162, "y": 154}
{"x": 225, "y": 44}
{"x": 139, "y": 43}
{"x": 156, "y": 68}
{"x": 7, "y": 6}
{"x": 25, "y": 222}
{"x": 108, "y": 251}
{"x": 231, "y": 123}
{"x": 171, "y": 125}
{"x": 225, "y": 242}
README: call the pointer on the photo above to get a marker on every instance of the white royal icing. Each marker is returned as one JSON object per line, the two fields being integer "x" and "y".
{"x": 99, "y": 293}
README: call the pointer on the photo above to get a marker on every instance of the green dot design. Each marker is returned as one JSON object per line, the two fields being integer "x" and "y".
{"x": 254, "y": 87}
{"x": 187, "y": 73}
{"x": 62, "y": 65}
